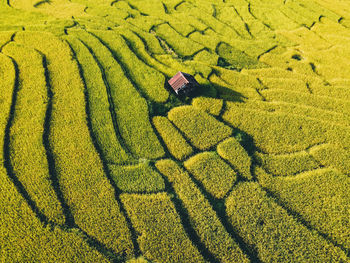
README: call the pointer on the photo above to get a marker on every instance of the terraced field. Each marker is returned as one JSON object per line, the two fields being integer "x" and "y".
{"x": 101, "y": 162}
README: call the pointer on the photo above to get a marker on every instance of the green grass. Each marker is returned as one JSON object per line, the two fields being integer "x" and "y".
{"x": 308, "y": 194}
{"x": 161, "y": 234}
{"x": 147, "y": 79}
{"x": 202, "y": 130}
{"x": 140, "y": 178}
{"x": 334, "y": 156}
{"x": 182, "y": 46}
{"x": 23, "y": 237}
{"x": 101, "y": 117}
{"x": 216, "y": 176}
{"x": 101, "y": 161}
{"x": 232, "y": 151}
{"x": 210, "y": 105}
{"x": 176, "y": 144}
{"x": 272, "y": 232}
{"x": 28, "y": 155}
{"x": 287, "y": 164}
{"x": 203, "y": 218}
{"x": 130, "y": 108}
{"x": 79, "y": 168}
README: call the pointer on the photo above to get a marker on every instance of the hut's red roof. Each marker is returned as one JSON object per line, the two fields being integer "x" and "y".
{"x": 178, "y": 81}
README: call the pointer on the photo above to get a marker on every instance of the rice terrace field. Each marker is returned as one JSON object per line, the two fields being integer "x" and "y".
{"x": 101, "y": 162}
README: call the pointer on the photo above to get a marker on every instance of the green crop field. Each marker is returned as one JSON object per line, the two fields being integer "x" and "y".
{"x": 100, "y": 161}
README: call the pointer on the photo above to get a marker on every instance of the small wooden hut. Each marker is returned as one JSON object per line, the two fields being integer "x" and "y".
{"x": 183, "y": 83}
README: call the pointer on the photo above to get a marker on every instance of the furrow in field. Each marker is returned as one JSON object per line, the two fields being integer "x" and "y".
{"x": 110, "y": 171}
{"x": 162, "y": 235}
{"x": 149, "y": 81}
{"x": 305, "y": 196}
{"x": 24, "y": 233}
{"x": 101, "y": 107}
{"x": 202, "y": 217}
{"x": 131, "y": 106}
{"x": 79, "y": 168}
{"x": 218, "y": 206}
{"x": 278, "y": 132}
{"x": 12, "y": 66}
{"x": 139, "y": 45}
{"x": 28, "y": 154}
{"x": 272, "y": 231}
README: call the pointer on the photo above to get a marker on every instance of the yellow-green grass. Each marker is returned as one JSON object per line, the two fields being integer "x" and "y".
{"x": 139, "y": 178}
{"x": 8, "y": 73}
{"x": 322, "y": 102}
{"x": 162, "y": 237}
{"x": 28, "y": 154}
{"x": 210, "y": 105}
{"x": 147, "y": 79}
{"x": 230, "y": 16}
{"x": 232, "y": 151}
{"x": 79, "y": 168}
{"x": 101, "y": 116}
{"x": 214, "y": 174}
{"x": 5, "y": 37}
{"x": 273, "y": 17}
{"x": 234, "y": 58}
{"x": 300, "y": 110}
{"x": 276, "y": 132}
{"x": 130, "y": 108}
{"x": 184, "y": 47}
{"x": 292, "y": 117}
{"x": 299, "y": 14}
{"x": 202, "y": 130}
{"x": 150, "y": 43}
{"x": 287, "y": 164}
{"x": 202, "y": 216}
{"x": 237, "y": 92}
{"x": 176, "y": 144}
{"x": 145, "y": 45}
{"x": 138, "y": 260}
{"x": 23, "y": 237}
{"x": 242, "y": 84}
{"x": 320, "y": 197}
{"x": 284, "y": 85}
{"x": 335, "y": 156}
{"x": 276, "y": 236}
{"x": 333, "y": 63}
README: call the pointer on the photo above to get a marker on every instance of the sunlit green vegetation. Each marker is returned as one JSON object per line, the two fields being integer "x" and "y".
{"x": 210, "y": 105}
{"x": 139, "y": 178}
{"x": 130, "y": 108}
{"x": 216, "y": 176}
{"x": 202, "y": 130}
{"x": 174, "y": 141}
{"x": 287, "y": 164}
{"x": 102, "y": 162}
{"x": 101, "y": 115}
{"x": 333, "y": 156}
{"x": 149, "y": 80}
{"x": 79, "y": 168}
{"x": 308, "y": 194}
{"x": 28, "y": 154}
{"x": 267, "y": 226}
{"x": 162, "y": 236}
{"x": 232, "y": 151}
{"x": 23, "y": 237}
{"x": 203, "y": 217}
